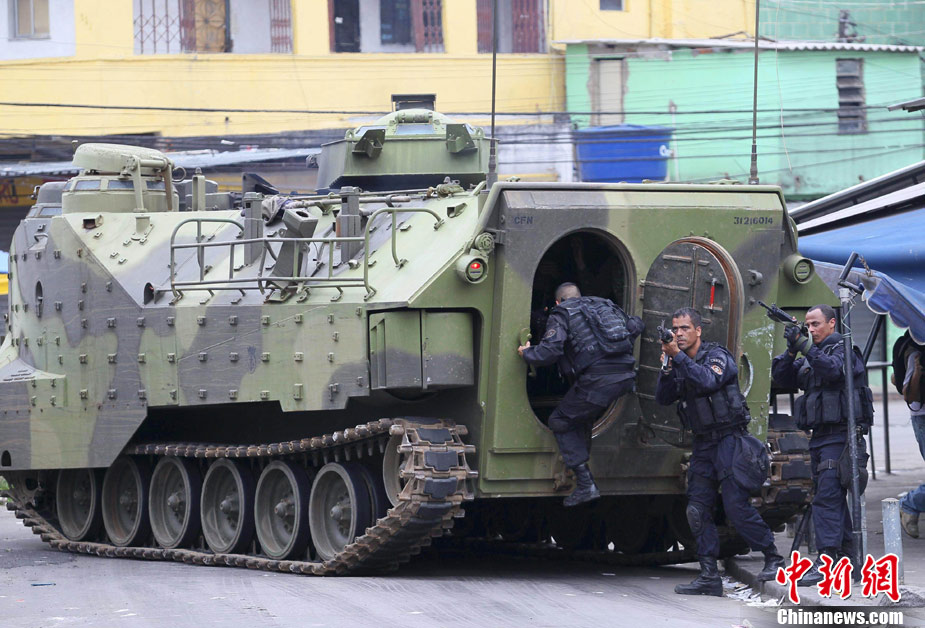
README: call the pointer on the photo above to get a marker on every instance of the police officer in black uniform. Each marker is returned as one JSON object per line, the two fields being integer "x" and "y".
{"x": 600, "y": 368}
{"x": 703, "y": 379}
{"x": 823, "y": 408}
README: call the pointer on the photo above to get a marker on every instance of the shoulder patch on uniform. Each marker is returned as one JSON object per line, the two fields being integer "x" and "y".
{"x": 716, "y": 368}
{"x": 550, "y": 333}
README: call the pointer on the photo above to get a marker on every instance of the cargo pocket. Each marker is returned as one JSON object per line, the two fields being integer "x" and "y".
{"x": 833, "y": 407}
{"x": 844, "y": 466}
{"x": 865, "y": 406}
{"x": 720, "y": 407}
{"x": 799, "y": 413}
{"x": 704, "y": 411}
{"x": 813, "y": 409}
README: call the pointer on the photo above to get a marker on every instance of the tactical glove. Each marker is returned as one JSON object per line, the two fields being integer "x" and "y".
{"x": 796, "y": 341}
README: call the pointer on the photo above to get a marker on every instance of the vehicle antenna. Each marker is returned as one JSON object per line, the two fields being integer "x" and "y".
{"x": 753, "y": 171}
{"x": 492, "y": 177}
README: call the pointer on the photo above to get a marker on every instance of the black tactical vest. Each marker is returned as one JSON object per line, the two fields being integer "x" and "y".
{"x": 584, "y": 346}
{"x": 825, "y": 404}
{"x": 719, "y": 411}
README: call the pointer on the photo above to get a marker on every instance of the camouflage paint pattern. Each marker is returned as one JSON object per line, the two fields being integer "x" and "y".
{"x": 97, "y": 343}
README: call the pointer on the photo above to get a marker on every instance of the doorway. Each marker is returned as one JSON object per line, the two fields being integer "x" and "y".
{"x": 596, "y": 265}
{"x": 345, "y": 25}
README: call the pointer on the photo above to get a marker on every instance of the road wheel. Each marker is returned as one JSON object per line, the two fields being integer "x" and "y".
{"x": 78, "y": 500}
{"x": 227, "y": 507}
{"x": 173, "y": 502}
{"x": 125, "y": 501}
{"x": 280, "y": 510}
{"x": 378, "y": 499}
{"x": 392, "y": 464}
{"x": 339, "y": 509}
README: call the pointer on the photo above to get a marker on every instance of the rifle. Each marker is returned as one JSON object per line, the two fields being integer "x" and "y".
{"x": 665, "y": 336}
{"x": 778, "y": 315}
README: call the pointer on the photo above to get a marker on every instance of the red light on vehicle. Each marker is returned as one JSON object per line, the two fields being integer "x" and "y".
{"x": 472, "y": 269}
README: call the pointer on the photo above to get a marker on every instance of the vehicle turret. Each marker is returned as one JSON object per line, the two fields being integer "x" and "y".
{"x": 411, "y": 147}
{"x": 118, "y": 178}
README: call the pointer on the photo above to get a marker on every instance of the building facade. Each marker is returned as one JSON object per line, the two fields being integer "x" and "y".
{"x": 279, "y": 65}
{"x": 823, "y": 122}
{"x": 229, "y": 68}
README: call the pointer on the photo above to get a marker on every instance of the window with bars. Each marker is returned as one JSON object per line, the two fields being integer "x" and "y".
{"x": 30, "y": 19}
{"x": 280, "y": 26}
{"x": 852, "y": 112}
{"x": 386, "y": 25}
{"x": 215, "y": 26}
{"x": 521, "y": 25}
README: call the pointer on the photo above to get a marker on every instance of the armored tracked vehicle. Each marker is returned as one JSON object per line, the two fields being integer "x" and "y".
{"x": 323, "y": 383}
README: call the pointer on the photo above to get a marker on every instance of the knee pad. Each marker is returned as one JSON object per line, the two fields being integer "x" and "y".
{"x": 558, "y": 424}
{"x": 695, "y": 518}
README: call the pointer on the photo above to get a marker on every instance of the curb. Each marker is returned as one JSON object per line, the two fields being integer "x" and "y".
{"x": 745, "y": 569}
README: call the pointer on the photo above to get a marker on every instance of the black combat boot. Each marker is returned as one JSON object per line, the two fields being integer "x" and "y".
{"x": 585, "y": 489}
{"x": 707, "y": 583}
{"x": 848, "y": 550}
{"x": 772, "y": 562}
{"x": 814, "y": 576}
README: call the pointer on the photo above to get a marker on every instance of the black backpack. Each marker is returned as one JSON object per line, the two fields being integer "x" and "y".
{"x": 609, "y": 324}
{"x": 751, "y": 463}
{"x": 901, "y": 350}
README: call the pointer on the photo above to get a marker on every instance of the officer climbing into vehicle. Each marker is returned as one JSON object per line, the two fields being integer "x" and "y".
{"x": 591, "y": 339}
{"x": 823, "y": 409}
{"x": 702, "y": 377}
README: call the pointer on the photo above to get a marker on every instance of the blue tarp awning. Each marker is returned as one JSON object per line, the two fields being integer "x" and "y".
{"x": 905, "y": 306}
{"x": 884, "y": 295}
{"x": 893, "y": 245}
{"x": 883, "y": 220}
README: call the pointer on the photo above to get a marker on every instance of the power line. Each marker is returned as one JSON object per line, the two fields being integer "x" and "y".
{"x": 380, "y": 112}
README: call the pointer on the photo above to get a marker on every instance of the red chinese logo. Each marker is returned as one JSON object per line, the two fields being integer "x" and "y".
{"x": 877, "y": 576}
{"x": 792, "y": 574}
{"x": 881, "y": 576}
{"x": 835, "y": 576}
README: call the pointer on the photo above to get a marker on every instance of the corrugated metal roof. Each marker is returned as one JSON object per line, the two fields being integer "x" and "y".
{"x": 748, "y": 43}
{"x": 188, "y": 160}
{"x": 910, "y": 197}
{"x": 911, "y": 105}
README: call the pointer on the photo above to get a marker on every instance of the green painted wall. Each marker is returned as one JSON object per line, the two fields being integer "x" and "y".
{"x": 808, "y": 158}
{"x": 879, "y": 22}
{"x": 577, "y": 71}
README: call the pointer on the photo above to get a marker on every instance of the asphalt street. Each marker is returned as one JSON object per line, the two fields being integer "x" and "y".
{"x": 43, "y": 588}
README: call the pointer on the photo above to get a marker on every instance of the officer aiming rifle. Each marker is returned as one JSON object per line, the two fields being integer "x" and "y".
{"x": 702, "y": 379}
{"x": 827, "y": 410}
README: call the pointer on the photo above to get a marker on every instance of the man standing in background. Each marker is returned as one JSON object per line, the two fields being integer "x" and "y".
{"x": 907, "y": 368}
